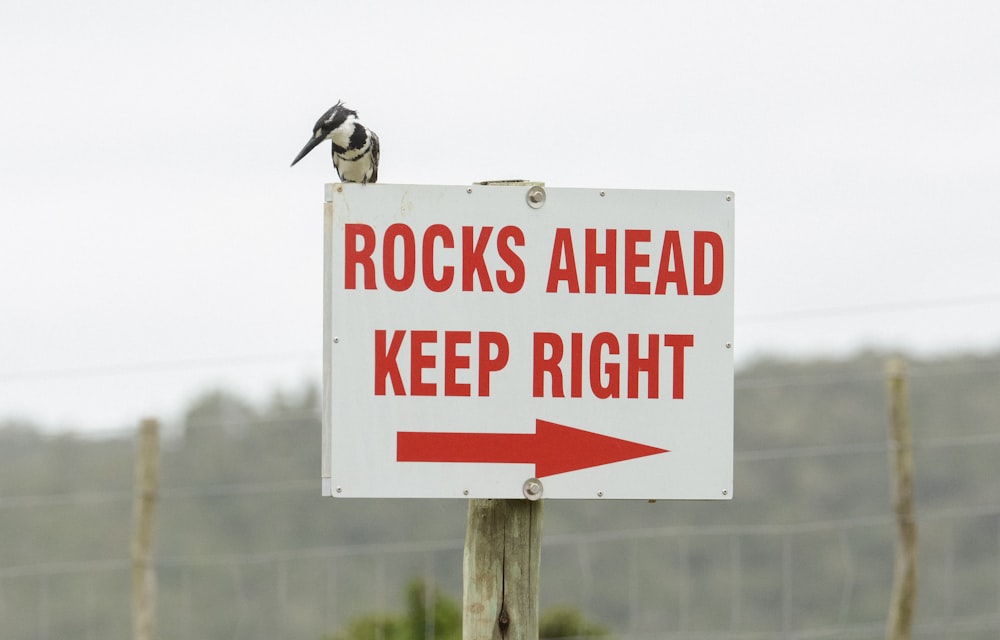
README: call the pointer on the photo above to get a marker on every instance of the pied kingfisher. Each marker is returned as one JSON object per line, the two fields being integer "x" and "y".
{"x": 355, "y": 146}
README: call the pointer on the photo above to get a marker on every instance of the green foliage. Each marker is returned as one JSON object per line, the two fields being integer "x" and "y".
{"x": 567, "y": 622}
{"x": 374, "y": 626}
{"x": 446, "y": 624}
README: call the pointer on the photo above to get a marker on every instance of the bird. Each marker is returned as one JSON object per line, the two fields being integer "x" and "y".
{"x": 355, "y": 146}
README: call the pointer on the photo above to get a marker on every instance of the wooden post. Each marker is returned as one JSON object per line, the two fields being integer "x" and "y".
{"x": 501, "y": 570}
{"x": 904, "y": 587}
{"x": 147, "y": 478}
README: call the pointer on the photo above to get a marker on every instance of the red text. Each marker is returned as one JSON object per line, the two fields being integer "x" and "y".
{"x": 435, "y": 368}
{"x": 649, "y": 264}
{"x": 605, "y": 366}
{"x": 435, "y": 258}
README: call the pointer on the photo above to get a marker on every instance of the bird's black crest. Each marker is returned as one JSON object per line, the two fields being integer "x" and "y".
{"x": 334, "y": 117}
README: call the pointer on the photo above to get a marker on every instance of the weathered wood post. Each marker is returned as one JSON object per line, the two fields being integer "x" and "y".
{"x": 904, "y": 587}
{"x": 501, "y": 570}
{"x": 147, "y": 478}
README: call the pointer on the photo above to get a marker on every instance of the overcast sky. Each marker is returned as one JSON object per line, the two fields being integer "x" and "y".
{"x": 154, "y": 241}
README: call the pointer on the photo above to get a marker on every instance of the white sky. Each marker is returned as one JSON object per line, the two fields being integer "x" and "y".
{"x": 154, "y": 242}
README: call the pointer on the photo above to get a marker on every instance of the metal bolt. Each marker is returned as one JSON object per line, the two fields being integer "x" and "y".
{"x": 600, "y": 494}
{"x": 602, "y": 194}
{"x": 339, "y": 489}
{"x": 340, "y": 189}
{"x": 536, "y": 197}
{"x": 729, "y": 345}
{"x": 468, "y": 190}
{"x": 729, "y": 198}
{"x": 465, "y": 492}
{"x": 725, "y": 492}
{"x": 336, "y": 340}
{"x": 532, "y": 488}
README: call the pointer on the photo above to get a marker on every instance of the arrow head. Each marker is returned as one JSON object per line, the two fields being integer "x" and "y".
{"x": 559, "y": 449}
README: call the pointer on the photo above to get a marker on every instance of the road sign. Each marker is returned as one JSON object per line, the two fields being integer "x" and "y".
{"x": 480, "y": 337}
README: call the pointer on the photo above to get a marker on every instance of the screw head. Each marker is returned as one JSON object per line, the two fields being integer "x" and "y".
{"x": 532, "y": 489}
{"x": 536, "y": 197}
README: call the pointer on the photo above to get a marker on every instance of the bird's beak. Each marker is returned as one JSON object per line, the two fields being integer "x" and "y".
{"x": 315, "y": 140}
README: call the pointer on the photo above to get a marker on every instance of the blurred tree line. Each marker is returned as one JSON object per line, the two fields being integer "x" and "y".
{"x": 241, "y": 522}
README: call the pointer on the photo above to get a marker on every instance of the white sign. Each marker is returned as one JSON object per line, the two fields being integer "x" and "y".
{"x": 478, "y": 338}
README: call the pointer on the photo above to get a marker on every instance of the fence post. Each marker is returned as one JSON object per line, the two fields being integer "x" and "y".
{"x": 147, "y": 477}
{"x": 904, "y": 587}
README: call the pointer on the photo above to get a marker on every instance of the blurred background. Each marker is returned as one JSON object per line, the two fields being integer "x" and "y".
{"x": 160, "y": 258}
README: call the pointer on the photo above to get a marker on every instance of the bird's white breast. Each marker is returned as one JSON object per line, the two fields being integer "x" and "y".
{"x": 357, "y": 170}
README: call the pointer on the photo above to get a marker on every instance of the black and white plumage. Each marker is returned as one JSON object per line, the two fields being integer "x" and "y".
{"x": 355, "y": 146}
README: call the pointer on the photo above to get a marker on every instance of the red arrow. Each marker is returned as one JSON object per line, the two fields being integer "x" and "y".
{"x": 553, "y": 448}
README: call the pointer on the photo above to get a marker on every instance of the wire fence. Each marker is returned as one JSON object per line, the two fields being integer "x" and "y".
{"x": 715, "y": 578}
{"x": 748, "y": 577}
{"x": 732, "y": 581}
